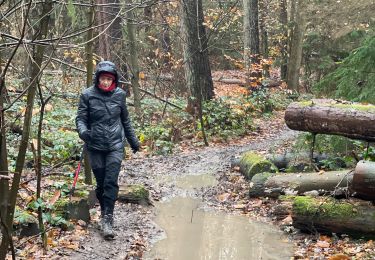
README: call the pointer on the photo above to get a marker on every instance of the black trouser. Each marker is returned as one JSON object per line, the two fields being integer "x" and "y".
{"x": 106, "y": 167}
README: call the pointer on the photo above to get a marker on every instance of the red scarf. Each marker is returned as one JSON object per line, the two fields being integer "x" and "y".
{"x": 113, "y": 85}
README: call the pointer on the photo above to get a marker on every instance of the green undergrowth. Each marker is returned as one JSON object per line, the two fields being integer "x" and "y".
{"x": 160, "y": 127}
{"x": 338, "y": 149}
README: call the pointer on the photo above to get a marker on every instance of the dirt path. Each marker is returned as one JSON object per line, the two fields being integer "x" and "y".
{"x": 134, "y": 224}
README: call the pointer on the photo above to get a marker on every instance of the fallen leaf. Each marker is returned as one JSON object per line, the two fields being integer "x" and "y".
{"x": 322, "y": 244}
{"x": 240, "y": 206}
{"x": 339, "y": 257}
{"x": 223, "y": 197}
{"x": 287, "y": 221}
{"x": 55, "y": 197}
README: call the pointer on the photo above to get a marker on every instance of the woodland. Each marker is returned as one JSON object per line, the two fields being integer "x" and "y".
{"x": 199, "y": 74}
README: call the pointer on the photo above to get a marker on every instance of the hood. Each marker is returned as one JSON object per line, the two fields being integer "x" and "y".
{"x": 105, "y": 66}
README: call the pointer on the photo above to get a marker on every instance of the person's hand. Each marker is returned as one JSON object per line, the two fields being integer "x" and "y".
{"x": 85, "y": 136}
{"x": 135, "y": 149}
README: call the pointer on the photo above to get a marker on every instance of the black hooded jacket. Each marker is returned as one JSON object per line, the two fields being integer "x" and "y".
{"x": 103, "y": 119}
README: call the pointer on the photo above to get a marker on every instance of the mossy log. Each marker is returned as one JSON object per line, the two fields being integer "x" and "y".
{"x": 76, "y": 208}
{"x": 327, "y": 215}
{"x": 363, "y": 184}
{"x": 292, "y": 183}
{"x": 135, "y": 193}
{"x": 252, "y": 163}
{"x": 324, "y": 116}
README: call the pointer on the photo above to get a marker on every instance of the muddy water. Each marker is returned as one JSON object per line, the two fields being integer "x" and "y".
{"x": 188, "y": 182}
{"x": 192, "y": 233}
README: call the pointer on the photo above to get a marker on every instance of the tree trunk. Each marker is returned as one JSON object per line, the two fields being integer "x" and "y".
{"x": 323, "y": 116}
{"x": 34, "y": 78}
{"x": 283, "y": 17}
{"x": 327, "y": 215}
{"x": 104, "y": 47}
{"x": 263, "y": 6}
{"x": 251, "y": 36}
{"x": 134, "y": 66}
{"x": 37, "y": 151}
{"x": 197, "y": 66}
{"x": 4, "y": 182}
{"x": 166, "y": 39}
{"x": 89, "y": 79}
{"x": 296, "y": 42}
{"x": 274, "y": 185}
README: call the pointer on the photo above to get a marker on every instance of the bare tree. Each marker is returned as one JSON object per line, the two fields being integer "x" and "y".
{"x": 296, "y": 41}
{"x": 89, "y": 77}
{"x": 133, "y": 58}
{"x": 251, "y": 34}
{"x": 35, "y": 72}
{"x": 283, "y": 18}
{"x": 197, "y": 66}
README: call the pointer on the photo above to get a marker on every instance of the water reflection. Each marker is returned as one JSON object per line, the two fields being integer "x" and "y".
{"x": 195, "y": 234}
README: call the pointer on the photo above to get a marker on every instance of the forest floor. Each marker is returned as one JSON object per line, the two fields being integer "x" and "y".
{"x": 135, "y": 225}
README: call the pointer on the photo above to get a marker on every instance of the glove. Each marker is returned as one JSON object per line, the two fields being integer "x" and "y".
{"x": 85, "y": 136}
{"x": 135, "y": 149}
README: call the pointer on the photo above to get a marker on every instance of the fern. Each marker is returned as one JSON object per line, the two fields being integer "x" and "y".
{"x": 354, "y": 79}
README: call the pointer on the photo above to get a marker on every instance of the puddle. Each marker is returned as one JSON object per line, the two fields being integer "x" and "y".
{"x": 189, "y": 182}
{"x": 195, "y": 234}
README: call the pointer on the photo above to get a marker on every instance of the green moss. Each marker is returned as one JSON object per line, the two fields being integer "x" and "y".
{"x": 139, "y": 191}
{"x": 356, "y": 106}
{"x": 328, "y": 208}
{"x": 81, "y": 193}
{"x": 252, "y": 163}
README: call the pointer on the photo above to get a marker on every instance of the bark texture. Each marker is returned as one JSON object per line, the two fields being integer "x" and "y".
{"x": 292, "y": 183}
{"x": 133, "y": 58}
{"x": 197, "y": 66}
{"x": 251, "y": 32}
{"x": 355, "y": 121}
{"x": 296, "y": 45}
{"x": 363, "y": 184}
{"x": 283, "y": 17}
{"x": 89, "y": 79}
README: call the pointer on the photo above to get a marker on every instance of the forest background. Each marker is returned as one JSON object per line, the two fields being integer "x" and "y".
{"x": 197, "y": 73}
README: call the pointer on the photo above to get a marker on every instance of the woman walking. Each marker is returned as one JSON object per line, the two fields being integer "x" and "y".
{"x": 103, "y": 123}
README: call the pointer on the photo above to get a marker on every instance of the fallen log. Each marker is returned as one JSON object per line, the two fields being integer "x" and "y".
{"x": 363, "y": 184}
{"x": 252, "y": 163}
{"x": 324, "y": 116}
{"x": 291, "y": 183}
{"x": 328, "y": 215}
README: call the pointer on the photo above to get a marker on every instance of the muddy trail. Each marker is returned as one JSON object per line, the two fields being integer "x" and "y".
{"x": 199, "y": 210}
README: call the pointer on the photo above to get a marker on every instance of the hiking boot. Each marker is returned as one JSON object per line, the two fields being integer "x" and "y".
{"x": 101, "y": 222}
{"x": 107, "y": 227}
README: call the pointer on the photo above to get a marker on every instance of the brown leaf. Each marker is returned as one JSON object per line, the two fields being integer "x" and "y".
{"x": 287, "y": 221}
{"x": 240, "y": 206}
{"x": 55, "y": 197}
{"x": 322, "y": 244}
{"x": 223, "y": 197}
{"x": 339, "y": 257}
